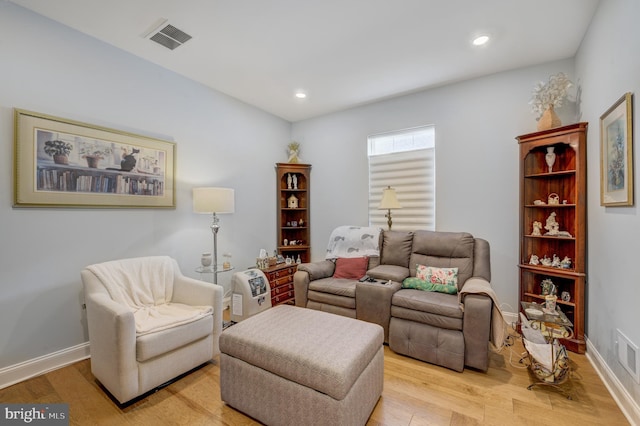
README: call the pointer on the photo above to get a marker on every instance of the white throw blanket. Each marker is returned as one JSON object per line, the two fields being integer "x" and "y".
{"x": 354, "y": 241}
{"x": 145, "y": 285}
{"x": 498, "y": 324}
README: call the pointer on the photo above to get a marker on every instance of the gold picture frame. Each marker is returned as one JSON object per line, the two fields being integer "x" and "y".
{"x": 616, "y": 154}
{"x": 65, "y": 163}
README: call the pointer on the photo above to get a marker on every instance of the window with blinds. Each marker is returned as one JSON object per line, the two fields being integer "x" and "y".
{"x": 404, "y": 160}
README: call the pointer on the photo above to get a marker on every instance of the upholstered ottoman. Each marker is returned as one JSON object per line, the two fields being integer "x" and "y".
{"x": 297, "y": 366}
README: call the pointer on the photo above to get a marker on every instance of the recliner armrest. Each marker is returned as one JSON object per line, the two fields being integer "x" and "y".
{"x": 306, "y": 273}
{"x": 318, "y": 270}
{"x": 476, "y": 326}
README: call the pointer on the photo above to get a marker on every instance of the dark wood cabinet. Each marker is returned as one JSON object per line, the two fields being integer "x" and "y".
{"x": 554, "y": 200}
{"x": 281, "y": 282}
{"x": 293, "y": 206}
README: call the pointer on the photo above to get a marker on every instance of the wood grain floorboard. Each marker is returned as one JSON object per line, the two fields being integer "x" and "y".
{"x": 415, "y": 394}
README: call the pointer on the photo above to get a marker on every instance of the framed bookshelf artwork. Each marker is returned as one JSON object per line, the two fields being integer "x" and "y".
{"x": 64, "y": 163}
{"x": 616, "y": 154}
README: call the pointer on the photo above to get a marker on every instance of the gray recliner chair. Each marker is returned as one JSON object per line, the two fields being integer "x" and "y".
{"x": 451, "y": 330}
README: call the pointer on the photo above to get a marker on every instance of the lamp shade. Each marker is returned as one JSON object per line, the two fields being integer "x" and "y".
{"x": 213, "y": 200}
{"x": 389, "y": 199}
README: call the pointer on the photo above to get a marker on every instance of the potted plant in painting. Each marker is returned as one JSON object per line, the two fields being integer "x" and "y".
{"x": 548, "y": 96}
{"x": 59, "y": 150}
{"x": 94, "y": 151}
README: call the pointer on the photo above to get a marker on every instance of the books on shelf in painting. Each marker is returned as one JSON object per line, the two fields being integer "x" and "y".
{"x": 74, "y": 181}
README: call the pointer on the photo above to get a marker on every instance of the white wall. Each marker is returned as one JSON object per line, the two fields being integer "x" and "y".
{"x": 608, "y": 65}
{"x": 476, "y": 160}
{"x": 52, "y": 69}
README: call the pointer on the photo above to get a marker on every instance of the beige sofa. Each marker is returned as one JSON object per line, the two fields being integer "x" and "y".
{"x": 451, "y": 330}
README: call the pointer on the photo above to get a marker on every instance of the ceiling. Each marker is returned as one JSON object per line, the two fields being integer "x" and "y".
{"x": 341, "y": 53}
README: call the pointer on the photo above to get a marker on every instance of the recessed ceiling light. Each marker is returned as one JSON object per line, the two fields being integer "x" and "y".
{"x": 301, "y": 95}
{"x": 480, "y": 40}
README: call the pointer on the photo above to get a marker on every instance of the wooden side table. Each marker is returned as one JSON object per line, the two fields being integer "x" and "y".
{"x": 281, "y": 282}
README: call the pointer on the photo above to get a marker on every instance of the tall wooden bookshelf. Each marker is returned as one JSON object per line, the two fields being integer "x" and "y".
{"x": 560, "y": 193}
{"x": 293, "y": 220}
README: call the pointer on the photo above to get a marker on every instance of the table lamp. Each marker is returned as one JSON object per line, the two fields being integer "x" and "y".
{"x": 389, "y": 201}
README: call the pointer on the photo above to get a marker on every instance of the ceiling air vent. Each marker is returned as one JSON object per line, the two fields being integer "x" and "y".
{"x": 169, "y": 36}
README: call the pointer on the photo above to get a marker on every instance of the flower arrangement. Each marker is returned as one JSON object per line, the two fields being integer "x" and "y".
{"x": 94, "y": 149}
{"x": 57, "y": 147}
{"x": 551, "y": 93}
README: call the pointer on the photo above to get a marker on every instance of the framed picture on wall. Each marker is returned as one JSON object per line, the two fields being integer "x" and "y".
{"x": 64, "y": 163}
{"x": 616, "y": 154}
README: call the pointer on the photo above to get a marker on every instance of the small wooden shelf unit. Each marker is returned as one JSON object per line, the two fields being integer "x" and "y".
{"x": 299, "y": 216}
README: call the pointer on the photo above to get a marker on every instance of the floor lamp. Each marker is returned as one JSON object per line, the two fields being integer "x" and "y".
{"x": 214, "y": 201}
{"x": 389, "y": 201}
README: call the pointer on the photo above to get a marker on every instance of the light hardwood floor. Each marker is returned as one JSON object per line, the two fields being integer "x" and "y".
{"x": 415, "y": 393}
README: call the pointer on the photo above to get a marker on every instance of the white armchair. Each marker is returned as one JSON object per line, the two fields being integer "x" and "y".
{"x": 148, "y": 323}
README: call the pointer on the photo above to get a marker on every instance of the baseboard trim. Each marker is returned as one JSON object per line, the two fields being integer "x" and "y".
{"x": 625, "y": 401}
{"x": 41, "y": 365}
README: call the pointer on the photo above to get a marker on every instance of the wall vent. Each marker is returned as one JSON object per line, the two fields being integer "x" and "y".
{"x": 628, "y": 356}
{"x": 168, "y": 36}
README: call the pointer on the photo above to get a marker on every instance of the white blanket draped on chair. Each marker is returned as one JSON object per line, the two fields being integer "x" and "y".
{"x": 354, "y": 241}
{"x": 146, "y": 287}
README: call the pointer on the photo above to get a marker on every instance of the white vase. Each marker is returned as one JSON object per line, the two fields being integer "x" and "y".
{"x": 550, "y": 158}
{"x": 206, "y": 259}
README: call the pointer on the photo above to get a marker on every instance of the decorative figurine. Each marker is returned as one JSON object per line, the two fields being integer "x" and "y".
{"x": 566, "y": 263}
{"x": 550, "y": 157}
{"x": 552, "y": 226}
{"x": 556, "y": 261}
{"x": 537, "y": 226}
{"x": 534, "y": 260}
{"x": 295, "y": 181}
{"x": 289, "y": 180}
{"x": 546, "y": 261}
{"x": 566, "y": 296}
{"x": 548, "y": 287}
{"x": 554, "y": 199}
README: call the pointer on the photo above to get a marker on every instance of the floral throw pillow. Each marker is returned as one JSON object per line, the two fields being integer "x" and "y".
{"x": 440, "y": 276}
{"x": 418, "y": 284}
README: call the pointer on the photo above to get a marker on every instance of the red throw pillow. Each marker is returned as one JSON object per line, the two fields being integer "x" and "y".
{"x": 351, "y": 267}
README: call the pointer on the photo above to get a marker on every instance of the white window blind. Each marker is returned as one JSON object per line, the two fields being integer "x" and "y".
{"x": 405, "y": 161}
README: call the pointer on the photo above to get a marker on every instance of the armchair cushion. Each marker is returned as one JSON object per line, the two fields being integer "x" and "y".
{"x": 351, "y": 267}
{"x": 436, "y": 309}
{"x": 396, "y": 248}
{"x": 151, "y": 345}
{"x": 444, "y": 250}
{"x": 389, "y": 272}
